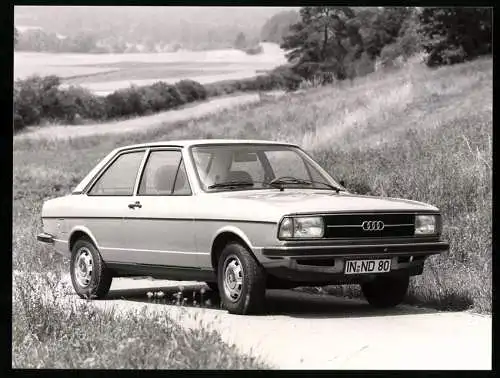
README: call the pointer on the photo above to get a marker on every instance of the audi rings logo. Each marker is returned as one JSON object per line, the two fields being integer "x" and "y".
{"x": 372, "y": 225}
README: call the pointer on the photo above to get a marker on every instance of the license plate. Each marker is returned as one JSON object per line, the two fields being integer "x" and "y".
{"x": 367, "y": 266}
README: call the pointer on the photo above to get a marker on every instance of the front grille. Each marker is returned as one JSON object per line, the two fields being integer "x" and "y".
{"x": 350, "y": 225}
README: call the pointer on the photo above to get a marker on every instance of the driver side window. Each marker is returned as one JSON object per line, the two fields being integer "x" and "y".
{"x": 119, "y": 178}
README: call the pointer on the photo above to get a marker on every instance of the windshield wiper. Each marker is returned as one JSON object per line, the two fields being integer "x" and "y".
{"x": 293, "y": 180}
{"x": 333, "y": 187}
{"x": 289, "y": 180}
{"x": 230, "y": 184}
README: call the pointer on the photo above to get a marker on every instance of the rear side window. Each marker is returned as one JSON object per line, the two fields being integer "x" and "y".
{"x": 119, "y": 179}
{"x": 164, "y": 175}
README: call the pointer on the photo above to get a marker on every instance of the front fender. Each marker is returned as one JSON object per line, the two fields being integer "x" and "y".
{"x": 234, "y": 230}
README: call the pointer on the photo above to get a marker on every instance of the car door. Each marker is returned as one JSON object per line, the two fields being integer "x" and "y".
{"x": 159, "y": 226}
{"x": 105, "y": 205}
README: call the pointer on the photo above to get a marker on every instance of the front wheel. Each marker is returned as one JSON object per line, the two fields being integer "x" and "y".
{"x": 89, "y": 275}
{"x": 242, "y": 281}
{"x": 213, "y": 286}
{"x": 386, "y": 291}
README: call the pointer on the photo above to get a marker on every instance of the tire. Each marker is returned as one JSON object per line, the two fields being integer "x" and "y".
{"x": 252, "y": 289}
{"x": 99, "y": 279}
{"x": 213, "y": 286}
{"x": 386, "y": 291}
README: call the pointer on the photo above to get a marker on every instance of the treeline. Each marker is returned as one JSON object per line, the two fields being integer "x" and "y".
{"x": 344, "y": 42}
{"x": 88, "y": 43}
{"x": 147, "y": 29}
{"x": 42, "y": 99}
{"x": 38, "y": 99}
{"x": 84, "y": 42}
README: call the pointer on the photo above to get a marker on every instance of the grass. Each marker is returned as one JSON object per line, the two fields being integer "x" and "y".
{"x": 416, "y": 133}
{"x": 50, "y": 331}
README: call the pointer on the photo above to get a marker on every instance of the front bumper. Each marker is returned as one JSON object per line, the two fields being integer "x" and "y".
{"x": 45, "y": 238}
{"x": 358, "y": 250}
{"x": 324, "y": 264}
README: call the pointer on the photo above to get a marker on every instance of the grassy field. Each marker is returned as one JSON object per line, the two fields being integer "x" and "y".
{"x": 416, "y": 133}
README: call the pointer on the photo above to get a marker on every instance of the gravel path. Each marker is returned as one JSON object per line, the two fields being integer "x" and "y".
{"x": 305, "y": 331}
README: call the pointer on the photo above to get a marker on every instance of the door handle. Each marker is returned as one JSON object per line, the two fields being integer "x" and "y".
{"x": 134, "y": 205}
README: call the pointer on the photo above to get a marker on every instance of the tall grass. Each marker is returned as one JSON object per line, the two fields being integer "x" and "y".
{"x": 416, "y": 133}
{"x": 52, "y": 331}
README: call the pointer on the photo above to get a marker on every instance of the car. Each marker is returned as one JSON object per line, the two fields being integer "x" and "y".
{"x": 241, "y": 215}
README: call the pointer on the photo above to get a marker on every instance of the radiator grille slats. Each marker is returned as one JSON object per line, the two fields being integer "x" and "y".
{"x": 350, "y": 225}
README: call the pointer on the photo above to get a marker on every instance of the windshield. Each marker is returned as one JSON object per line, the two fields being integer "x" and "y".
{"x": 244, "y": 167}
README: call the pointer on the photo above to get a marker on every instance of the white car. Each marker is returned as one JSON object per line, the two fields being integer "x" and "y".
{"x": 240, "y": 215}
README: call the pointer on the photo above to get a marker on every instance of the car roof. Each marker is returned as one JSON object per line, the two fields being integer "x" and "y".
{"x": 196, "y": 142}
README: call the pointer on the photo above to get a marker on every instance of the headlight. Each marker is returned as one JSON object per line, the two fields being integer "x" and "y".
{"x": 425, "y": 225}
{"x": 301, "y": 227}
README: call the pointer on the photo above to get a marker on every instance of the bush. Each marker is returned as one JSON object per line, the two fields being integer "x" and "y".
{"x": 124, "y": 102}
{"x": 191, "y": 90}
{"x": 282, "y": 77}
{"x": 391, "y": 56}
{"x": 84, "y": 103}
{"x": 35, "y": 98}
{"x": 40, "y": 98}
{"x": 364, "y": 65}
{"x": 167, "y": 95}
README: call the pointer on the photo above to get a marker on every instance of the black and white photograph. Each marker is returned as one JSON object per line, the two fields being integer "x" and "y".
{"x": 252, "y": 187}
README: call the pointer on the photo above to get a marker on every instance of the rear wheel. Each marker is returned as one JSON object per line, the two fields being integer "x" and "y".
{"x": 89, "y": 275}
{"x": 386, "y": 291}
{"x": 242, "y": 281}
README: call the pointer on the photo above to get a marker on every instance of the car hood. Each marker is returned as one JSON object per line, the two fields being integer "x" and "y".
{"x": 312, "y": 201}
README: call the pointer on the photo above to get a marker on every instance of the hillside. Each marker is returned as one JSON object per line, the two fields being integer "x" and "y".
{"x": 417, "y": 133}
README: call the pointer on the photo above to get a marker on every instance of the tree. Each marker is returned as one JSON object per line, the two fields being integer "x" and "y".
{"x": 381, "y": 26}
{"x": 241, "y": 41}
{"x": 322, "y": 40}
{"x": 83, "y": 42}
{"x": 410, "y": 40}
{"x": 278, "y": 26}
{"x": 454, "y": 35}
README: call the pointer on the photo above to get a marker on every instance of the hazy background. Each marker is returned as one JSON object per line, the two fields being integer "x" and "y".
{"x": 107, "y": 48}
{"x": 148, "y": 27}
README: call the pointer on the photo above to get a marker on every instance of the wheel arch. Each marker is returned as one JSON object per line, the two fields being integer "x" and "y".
{"x": 223, "y": 237}
{"x": 79, "y": 232}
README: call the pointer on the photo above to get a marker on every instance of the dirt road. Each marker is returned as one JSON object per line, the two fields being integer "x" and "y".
{"x": 305, "y": 331}
{"x": 140, "y": 123}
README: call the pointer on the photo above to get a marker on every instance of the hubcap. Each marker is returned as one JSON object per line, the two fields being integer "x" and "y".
{"x": 233, "y": 278}
{"x": 84, "y": 265}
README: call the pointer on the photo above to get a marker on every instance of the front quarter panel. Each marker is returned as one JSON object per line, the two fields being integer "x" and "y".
{"x": 254, "y": 234}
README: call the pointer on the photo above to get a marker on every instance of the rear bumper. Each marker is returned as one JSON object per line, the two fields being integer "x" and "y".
{"x": 357, "y": 250}
{"x": 45, "y": 238}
